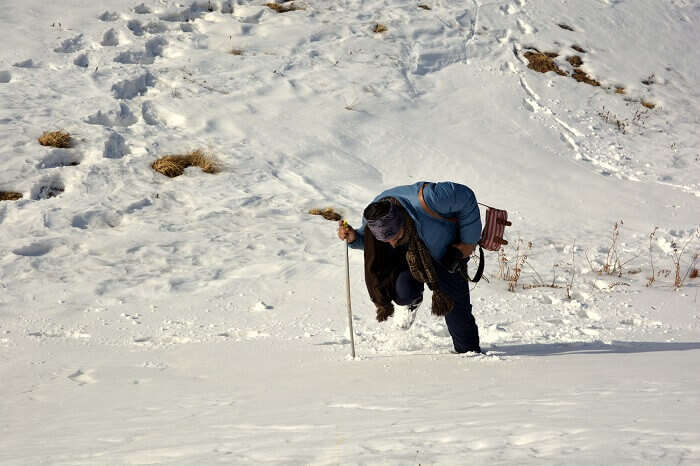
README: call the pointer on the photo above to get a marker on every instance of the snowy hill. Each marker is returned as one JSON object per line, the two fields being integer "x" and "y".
{"x": 202, "y": 319}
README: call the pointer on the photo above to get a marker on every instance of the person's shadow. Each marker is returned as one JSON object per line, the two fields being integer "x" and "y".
{"x": 598, "y": 347}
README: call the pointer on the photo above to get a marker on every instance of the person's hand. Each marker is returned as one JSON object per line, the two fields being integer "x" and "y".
{"x": 346, "y": 232}
{"x": 465, "y": 249}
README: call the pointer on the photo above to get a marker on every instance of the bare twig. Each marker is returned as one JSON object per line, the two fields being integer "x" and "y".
{"x": 651, "y": 258}
{"x": 573, "y": 271}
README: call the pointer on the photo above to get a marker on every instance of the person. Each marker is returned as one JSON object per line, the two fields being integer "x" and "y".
{"x": 410, "y": 236}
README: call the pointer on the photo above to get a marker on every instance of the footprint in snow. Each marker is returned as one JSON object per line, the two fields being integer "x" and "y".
{"x": 61, "y": 158}
{"x": 108, "y": 16}
{"x": 47, "y": 188}
{"x": 525, "y": 28}
{"x": 96, "y": 219}
{"x": 115, "y": 147}
{"x": 142, "y": 9}
{"x": 30, "y": 63}
{"x": 122, "y": 117}
{"x": 82, "y": 61}
{"x": 34, "y": 250}
{"x": 110, "y": 38}
{"x": 139, "y": 29}
{"x": 71, "y": 45}
{"x": 83, "y": 377}
{"x": 130, "y": 88}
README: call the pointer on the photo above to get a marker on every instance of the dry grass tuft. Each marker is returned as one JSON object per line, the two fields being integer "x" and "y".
{"x": 620, "y": 90}
{"x": 694, "y": 273}
{"x": 578, "y": 48}
{"x": 283, "y": 8}
{"x": 60, "y": 139}
{"x": 328, "y": 213}
{"x": 575, "y": 61}
{"x": 424, "y": 6}
{"x": 10, "y": 196}
{"x": 174, "y": 165}
{"x": 236, "y": 52}
{"x": 379, "y": 28}
{"x": 582, "y": 77}
{"x": 543, "y": 62}
{"x": 649, "y": 105}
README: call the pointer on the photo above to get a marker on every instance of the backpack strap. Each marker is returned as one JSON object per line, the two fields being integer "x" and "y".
{"x": 479, "y": 269}
{"x": 463, "y": 270}
{"x": 430, "y": 211}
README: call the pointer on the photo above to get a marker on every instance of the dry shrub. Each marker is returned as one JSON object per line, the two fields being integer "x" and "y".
{"x": 60, "y": 139}
{"x": 578, "y": 48}
{"x": 648, "y": 104}
{"x": 283, "y": 8}
{"x": 379, "y": 28}
{"x": 510, "y": 269}
{"x": 678, "y": 253}
{"x": 328, "y": 213}
{"x": 582, "y": 77}
{"x": 174, "y": 165}
{"x": 424, "y": 6}
{"x": 10, "y": 196}
{"x": 543, "y": 62}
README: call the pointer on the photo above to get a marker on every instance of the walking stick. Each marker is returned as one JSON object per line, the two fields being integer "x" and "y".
{"x": 330, "y": 214}
{"x": 347, "y": 290}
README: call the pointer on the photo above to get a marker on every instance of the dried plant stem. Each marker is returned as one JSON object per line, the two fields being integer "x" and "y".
{"x": 679, "y": 279}
{"x": 570, "y": 285}
{"x": 651, "y": 258}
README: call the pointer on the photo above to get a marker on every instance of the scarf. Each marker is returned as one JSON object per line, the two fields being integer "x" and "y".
{"x": 421, "y": 265}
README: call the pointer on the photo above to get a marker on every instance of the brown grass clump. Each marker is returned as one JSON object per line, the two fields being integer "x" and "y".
{"x": 328, "y": 213}
{"x": 582, "y": 77}
{"x": 379, "y": 28}
{"x": 10, "y": 196}
{"x": 543, "y": 62}
{"x": 60, "y": 139}
{"x": 648, "y": 104}
{"x": 575, "y": 61}
{"x": 283, "y": 8}
{"x": 620, "y": 90}
{"x": 236, "y": 52}
{"x": 174, "y": 165}
{"x": 694, "y": 273}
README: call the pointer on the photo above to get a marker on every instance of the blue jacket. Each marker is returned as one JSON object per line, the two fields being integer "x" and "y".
{"x": 450, "y": 200}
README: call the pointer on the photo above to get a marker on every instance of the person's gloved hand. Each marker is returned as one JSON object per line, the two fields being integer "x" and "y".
{"x": 452, "y": 259}
{"x": 384, "y": 312}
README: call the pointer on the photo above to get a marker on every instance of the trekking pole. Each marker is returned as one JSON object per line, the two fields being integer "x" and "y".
{"x": 347, "y": 290}
{"x": 330, "y": 214}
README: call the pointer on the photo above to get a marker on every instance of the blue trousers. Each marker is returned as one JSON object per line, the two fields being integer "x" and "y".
{"x": 460, "y": 321}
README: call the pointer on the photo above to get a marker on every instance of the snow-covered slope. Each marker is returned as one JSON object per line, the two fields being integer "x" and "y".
{"x": 201, "y": 319}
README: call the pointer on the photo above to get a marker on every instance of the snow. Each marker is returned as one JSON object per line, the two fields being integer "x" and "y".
{"x": 202, "y": 319}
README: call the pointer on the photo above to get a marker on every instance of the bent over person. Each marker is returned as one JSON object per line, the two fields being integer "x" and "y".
{"x": 410, "y": 235}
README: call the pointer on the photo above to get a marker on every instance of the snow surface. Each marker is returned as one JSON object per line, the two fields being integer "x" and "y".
{"x": 202, "y": 319}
